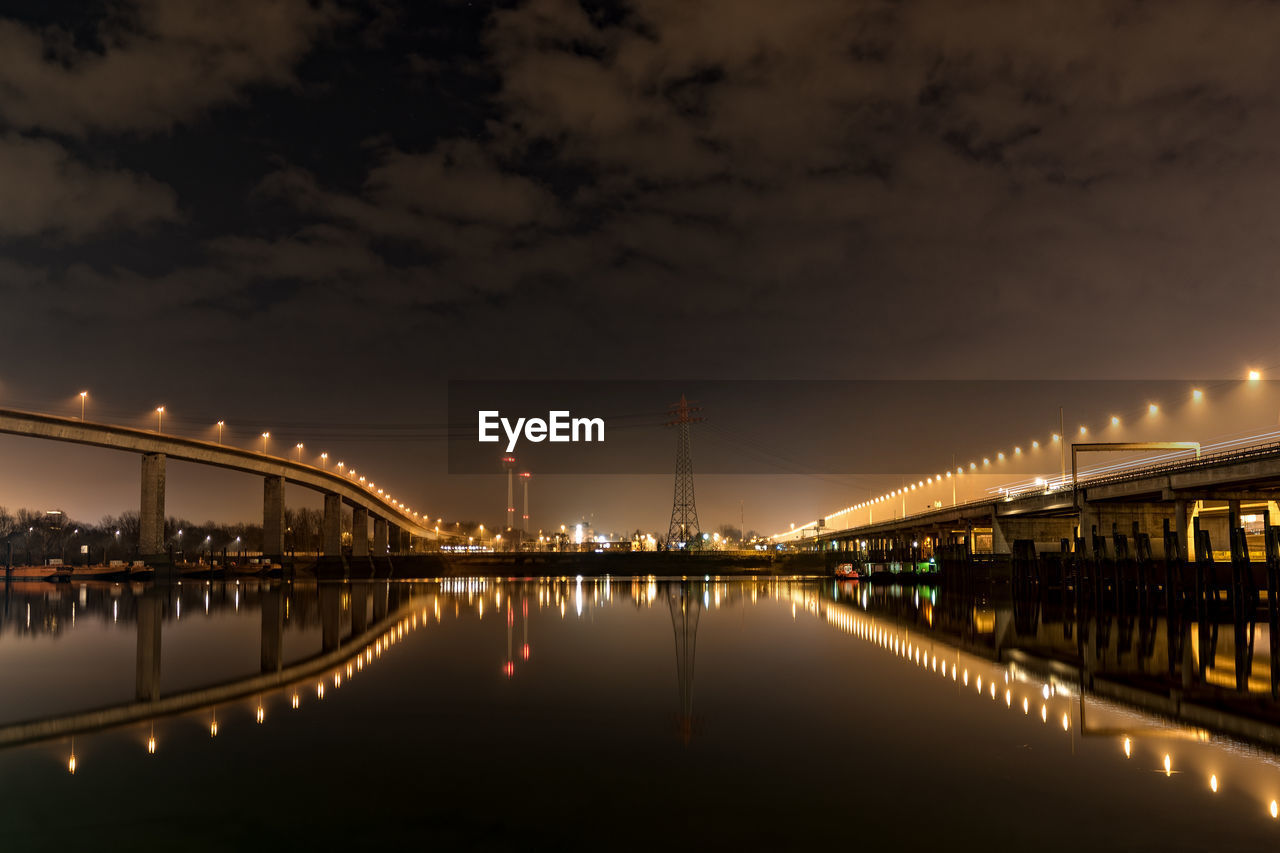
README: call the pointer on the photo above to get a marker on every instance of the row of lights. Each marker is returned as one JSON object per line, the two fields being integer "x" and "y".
{"x": 903, "y": 648}
{"x": 299, "y": 447}
{"x": 1153, "y": 409}
{"x": 356, "y": 664}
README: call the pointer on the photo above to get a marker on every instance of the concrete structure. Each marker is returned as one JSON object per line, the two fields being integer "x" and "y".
{"x": 157, "y": 448}
{"x": 151, "y": 704}
{"x": 1216, "y": 491}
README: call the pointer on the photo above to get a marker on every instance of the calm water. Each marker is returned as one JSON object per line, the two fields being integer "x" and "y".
{"x": 593, "y": 715}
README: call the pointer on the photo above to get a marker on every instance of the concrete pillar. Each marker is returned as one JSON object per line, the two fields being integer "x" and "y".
{"x": 330, "y": 615}
{"x": 359, "y": 610}
{"x": 151, "y": 515}
{"x": 150, "y": 613}
{"x": 332, "y": 525}
{"x": 379, "y": 536}
{"x": 1181, "y": 525}
{"x": 999, "y": 543}
{"x": 1090, "y": 522}
{"x": 273, "y": 516}
{"x": 272, "y": 630}
{"x": 395, "y": 539}
{"x": 381, "y": 598}
{"x": 359, "y": 532}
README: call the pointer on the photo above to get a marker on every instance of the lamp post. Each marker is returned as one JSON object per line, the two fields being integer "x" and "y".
{"x": 221, "y": 424}
{"x": 83, "y": 396}
{"x": 159, "y": 418}
{"x": 298, "y": 448}
{"x": 324, "y": 461}
{"x": 265, "y": 436}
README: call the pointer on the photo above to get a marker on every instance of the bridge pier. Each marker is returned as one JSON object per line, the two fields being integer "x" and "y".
{"x": 333, "y": 525}
{"x": 150, "y": 616}
{"x": 359, "y": 532}
{"x": 151, "y": 513}
{"x": 395, "y": 539}
{"x": 273, "y": 517}
{"x": 379, "y": 536}
{"x": 330, "y": 615}
{"x": 272, "y": 630}
{"x": 359, "y": 610}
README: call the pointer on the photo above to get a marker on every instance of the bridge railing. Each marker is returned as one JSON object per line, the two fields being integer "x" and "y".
{"x": 1208, "y": 460}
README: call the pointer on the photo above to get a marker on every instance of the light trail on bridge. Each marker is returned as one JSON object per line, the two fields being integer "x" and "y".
{"x": 943, "y": 486}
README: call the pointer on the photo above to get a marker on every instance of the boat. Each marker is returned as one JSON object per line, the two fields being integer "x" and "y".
{"x": 848, "y": 570}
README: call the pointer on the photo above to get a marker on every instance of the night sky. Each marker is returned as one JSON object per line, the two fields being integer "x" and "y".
{"x": 307, "y": 217}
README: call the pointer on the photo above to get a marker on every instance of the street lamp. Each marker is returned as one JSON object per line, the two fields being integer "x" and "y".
{"x": 298, "y": 447}
{"x": 159, "y": 418}
{"x": 221, "y": 424}
{"x": 324, "y": 461}
{"x": 265, "y": 436}
{"x": 83, "y": 396}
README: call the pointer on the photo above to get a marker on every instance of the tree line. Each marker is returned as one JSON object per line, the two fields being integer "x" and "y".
{"x": 32, "y": 537}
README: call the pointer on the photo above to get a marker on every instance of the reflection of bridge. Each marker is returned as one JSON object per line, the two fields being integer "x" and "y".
{"x": 1214, "y": 489}
{"x": 392, "y": 521}
{"x": 395, "y": 612}
{"x": 1126, "y": 660}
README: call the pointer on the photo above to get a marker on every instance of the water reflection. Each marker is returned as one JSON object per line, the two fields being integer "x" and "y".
{"x": 1087, "y": 667}
{"x": 1168, "y": 700}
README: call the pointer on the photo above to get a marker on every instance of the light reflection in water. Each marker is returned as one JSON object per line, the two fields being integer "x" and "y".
{"x": 906, "y": 645}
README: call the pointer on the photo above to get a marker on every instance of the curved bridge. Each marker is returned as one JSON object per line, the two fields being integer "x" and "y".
{"x": 357, "y": 650}
{"x": 391, "y": 522}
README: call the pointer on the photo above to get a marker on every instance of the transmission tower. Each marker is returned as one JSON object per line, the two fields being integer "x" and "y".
{"x": 684, "y": 513}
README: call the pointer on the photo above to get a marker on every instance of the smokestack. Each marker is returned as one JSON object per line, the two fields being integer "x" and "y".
{"x": 509, "y": 462}
{"x": 524, "y": 521}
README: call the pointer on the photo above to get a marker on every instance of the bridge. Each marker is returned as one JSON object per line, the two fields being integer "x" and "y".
{"x": 395, "y": 528}
{"x": 1217, "y": 492}
{"x": 352, "y": 640}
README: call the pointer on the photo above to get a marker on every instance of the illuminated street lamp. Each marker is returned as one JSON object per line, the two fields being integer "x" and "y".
{"x": 324, "y": 461}
{"x": 298, "y": 447}
{"x": 1254, "y": 375}
{"x": 221, "y": 424}
{"x": 265, "y": 436}
{"x": 83, "y": 395}
{"x": 159, "y": 418}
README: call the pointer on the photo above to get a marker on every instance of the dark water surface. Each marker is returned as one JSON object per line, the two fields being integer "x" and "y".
{"x": 595, "y": 715}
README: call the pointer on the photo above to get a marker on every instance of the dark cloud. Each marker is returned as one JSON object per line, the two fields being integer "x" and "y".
{"x": 154, "y": 64}
{"x": 44, "y": 191}
{"x": 729, "y": 187}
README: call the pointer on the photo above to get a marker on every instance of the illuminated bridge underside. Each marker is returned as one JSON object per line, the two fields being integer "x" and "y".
{"x": 1213, "y": 489}
{"x": 155, "y": 448}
